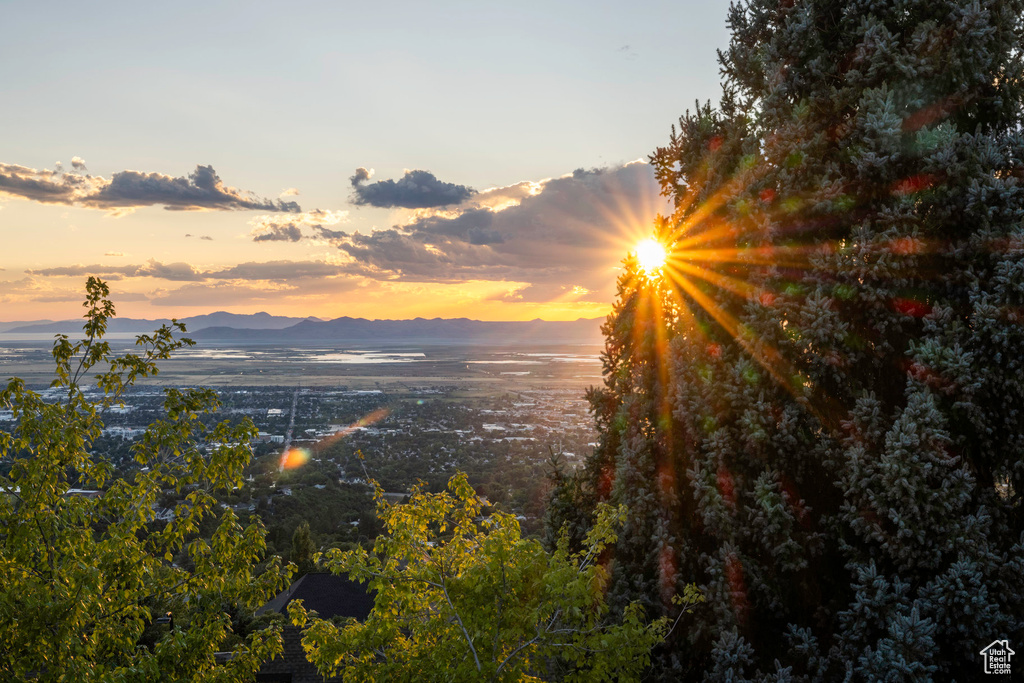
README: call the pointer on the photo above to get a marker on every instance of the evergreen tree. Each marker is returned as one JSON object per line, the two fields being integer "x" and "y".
{"x": 814, "y": 409}
{"x": 568, "y": 506}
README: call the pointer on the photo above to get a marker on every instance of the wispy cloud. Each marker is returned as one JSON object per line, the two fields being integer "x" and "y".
{"x": 183, "y": 272}
{"x": 217, "y": 294}
{"x": 42, "y": 291}
{"x": 290, "y": 228}
{"x": 281, "y": 271}
{"x": 278, "y": 233}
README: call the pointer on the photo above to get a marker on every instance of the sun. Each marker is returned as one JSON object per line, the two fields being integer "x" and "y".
{"x": 650, "y": 255}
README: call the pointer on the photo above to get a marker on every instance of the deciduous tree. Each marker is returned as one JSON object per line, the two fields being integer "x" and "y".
{"x": 459, "y": 598}
{"x": 85, "y": 578}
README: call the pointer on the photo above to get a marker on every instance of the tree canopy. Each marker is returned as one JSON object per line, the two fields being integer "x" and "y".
{"x": 463, "y": 597}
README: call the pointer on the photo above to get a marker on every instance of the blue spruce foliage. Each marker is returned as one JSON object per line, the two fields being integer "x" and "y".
{"x": 815, "y": 409}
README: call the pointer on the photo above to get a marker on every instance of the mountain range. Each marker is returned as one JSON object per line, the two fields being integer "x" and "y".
{"x": 255, "y": 321}
{"x": 266, "y": 328}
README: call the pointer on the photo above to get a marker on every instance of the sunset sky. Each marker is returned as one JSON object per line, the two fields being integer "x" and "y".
{"x": 378, "y": 160}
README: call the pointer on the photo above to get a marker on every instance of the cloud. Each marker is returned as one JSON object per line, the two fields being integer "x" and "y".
{"x": 290, "y": 228}
{"x": 475, "y": 227}
{"x": 168, "y": 271}
{"x": 78, "y": 163}
{"x": 279, "y": 233}
{"x": 328, "y": 235}
{"x": 415, "y": 190}
{"x": 398, "y": 254}
{"x": 282, "y": 271}
{"x": 289, "y": 192}
{"x": 361, "y": 175}
{"x": 500, "y": 198}
{"x": 114, "y": 253}
{"x": 201, "y": 190}
{"x": 35, "y": 290}
{"x": 217, "y": 294}
{"x": 564, "y": 236}
{"x": 545, "y": 292}
{"x": 556, "y": 240}
{"x": 47, "y": 187}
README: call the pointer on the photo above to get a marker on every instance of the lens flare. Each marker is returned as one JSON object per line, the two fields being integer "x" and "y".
{"x": 650, "y": 255}
{"x": 294, "y": 458}
{"x": 365, "y": 421}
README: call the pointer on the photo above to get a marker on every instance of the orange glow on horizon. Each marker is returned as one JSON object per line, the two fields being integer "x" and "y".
{"x": 576, "y": 280}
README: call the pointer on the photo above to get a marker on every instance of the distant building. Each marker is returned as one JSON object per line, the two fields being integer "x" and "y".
{"x": 120, "y": 410}
{"x": 70, "y": 493}
{"x": 124, "y": 432}
{"x": 84, "y": 493}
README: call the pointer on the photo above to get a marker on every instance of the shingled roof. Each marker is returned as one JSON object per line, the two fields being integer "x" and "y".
{"x": 330, "y": 596}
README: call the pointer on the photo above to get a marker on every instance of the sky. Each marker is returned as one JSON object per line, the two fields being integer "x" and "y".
{"x": 379, "y": 160}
